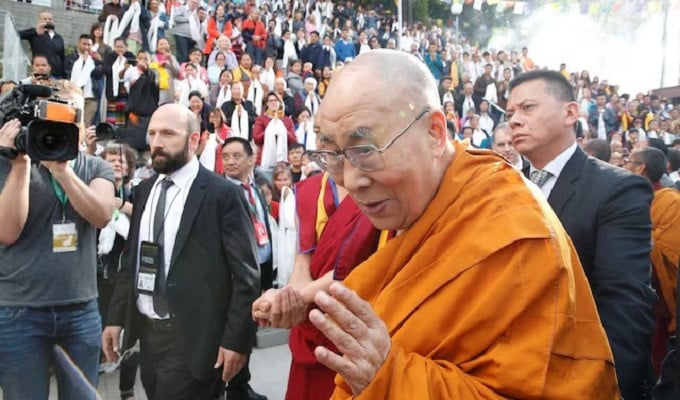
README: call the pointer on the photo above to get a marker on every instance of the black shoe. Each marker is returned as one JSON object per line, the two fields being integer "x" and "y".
{"x": 243, "y": 393}
{"x": 253, "y": 395}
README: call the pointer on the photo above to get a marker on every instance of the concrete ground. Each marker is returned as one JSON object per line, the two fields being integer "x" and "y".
{"x": 268, "y": 367}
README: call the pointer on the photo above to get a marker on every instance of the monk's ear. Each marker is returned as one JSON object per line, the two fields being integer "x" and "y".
{"x": 438, "y": 134}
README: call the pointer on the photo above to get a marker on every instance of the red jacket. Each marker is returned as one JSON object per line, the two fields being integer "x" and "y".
{"x": 213, "y": 34}
{"x": 261, "y": 125}
{"x": 257, "y": 28}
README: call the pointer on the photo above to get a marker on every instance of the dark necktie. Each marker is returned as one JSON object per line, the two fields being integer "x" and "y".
{"x": 251, "y": 200}
{"x": 160, "y": 304}
{"x": 540, "y": 177}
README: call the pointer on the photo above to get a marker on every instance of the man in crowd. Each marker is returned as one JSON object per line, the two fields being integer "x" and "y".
{"x": 238, "y": 159}
{"x": 604, "y": 209}
{"x": 240, "y": 113}
{"x": 650, "y": 163}
{"x": 192, "y": 273}
{"x": 187, "y": 29}
{"x": 84, "y": 70}
{"x": 501, "y": 143}
{"x": 45, "y": 41}
{"x": 406, "y": 176}
{"x": 601, "y": 119}
{"x": 49, "y": 213}
{"x": 295, "y": 152}
{"x": 41, "y": 72}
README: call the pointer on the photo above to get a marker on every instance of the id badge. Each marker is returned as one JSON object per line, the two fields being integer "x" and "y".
{"x": 150, "y": 260}
{"x": 261, "y": 233}
{"x": 64, "y": 237}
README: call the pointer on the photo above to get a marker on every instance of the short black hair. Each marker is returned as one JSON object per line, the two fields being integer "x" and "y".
{"x": 296, "y": 145}
{"x": 39, "y": 56}
{"x": 654, "y": 161}
{"x": 86, "y": 36}
{"x": 658, "y": 144}
{"x": 598, "y": 148}
{"x": 555, "y": 83}
{"x": 246, "y": 144}
{"x": 673, "y": 157}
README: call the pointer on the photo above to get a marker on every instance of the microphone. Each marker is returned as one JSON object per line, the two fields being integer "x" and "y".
{"x": 33, "y": 91}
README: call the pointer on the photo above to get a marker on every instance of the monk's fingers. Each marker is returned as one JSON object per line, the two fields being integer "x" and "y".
{"x": 356, "y": 377}
{"x": 355, "y": 304}
{"x": 343, "y": 340}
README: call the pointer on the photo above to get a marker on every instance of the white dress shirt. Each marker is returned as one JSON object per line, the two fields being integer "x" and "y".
{"x": 176, "y": 198}
{"x": 555, "y": 167}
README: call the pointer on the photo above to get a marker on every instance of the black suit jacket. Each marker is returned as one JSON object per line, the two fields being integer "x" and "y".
{"x": 213, "y": 277}
{"x": 605, "y": 211}
{"x": 52, "y": 48}
{"x": 228, "y": 109}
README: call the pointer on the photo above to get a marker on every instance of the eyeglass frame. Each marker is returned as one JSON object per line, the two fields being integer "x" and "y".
{"x": 380, "y": 150}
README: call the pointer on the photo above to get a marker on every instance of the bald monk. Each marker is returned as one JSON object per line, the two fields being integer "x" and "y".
{"x": 480, "y": 295}
{"x": 334, "y": 237}
{"x": 650, "y": 163}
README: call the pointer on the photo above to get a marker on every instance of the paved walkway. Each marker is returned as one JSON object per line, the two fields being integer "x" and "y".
{"x": 269, "y": 369}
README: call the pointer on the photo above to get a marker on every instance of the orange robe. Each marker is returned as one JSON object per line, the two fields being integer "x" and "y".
{"x": 665, "y": 255}
{"x": 484, "y": 298}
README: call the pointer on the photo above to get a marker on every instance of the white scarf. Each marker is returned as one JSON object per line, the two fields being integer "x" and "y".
{"x": 107, "y": 236}
{"x": 223, "y": 95}
{"x": 275, "y": 146}
{"x": 312, "y": 103}
{"x": 114, "y": 29}
{"x": 152, "y": 35}
{"x": 116, "y": 68}
{"x": 305, "y": 135}
{"x": 194, "y": 27}
{"x": 207, "y": 157}
{"x": 288, "y": 52}
{"x": 81, "y": 75}
{"x": 255, "y": 95}
{"x": 239, "y": 126}
{"x": 287, "y": 246}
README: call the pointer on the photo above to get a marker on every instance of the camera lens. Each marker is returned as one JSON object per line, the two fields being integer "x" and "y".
{"x": 52, "y": 141}
{"x": 105, "y": 131}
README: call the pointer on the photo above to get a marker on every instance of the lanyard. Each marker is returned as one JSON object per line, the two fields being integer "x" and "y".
{"x": 58, "y": 190}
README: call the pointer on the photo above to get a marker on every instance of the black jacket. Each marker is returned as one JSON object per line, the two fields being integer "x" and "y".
{"x": 52, "y": 48}
{"x": 228, "y": 110}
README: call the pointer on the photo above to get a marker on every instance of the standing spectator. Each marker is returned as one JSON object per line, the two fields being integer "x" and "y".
{"x": 273, "y": 132}
{"x": 49, "y": 213}
{"x": 601, "y": 119}
{"x": 113, "y": 7}
{"x": 41, "y": 72}
{"x": 84, "y": 70}
{"x": 307, "y": 98}
{"x": 255, "y": 37}
{"x": 201, "y": 109}
{"x": 294, "y": 77}
{"x": 100, "y": 51}
{"x": 195, "y": 57}
{"x": 433, "y": 60}
{"x": 218, "y": 25}
{"x": 224, "y": 46}
{"x": 268, "y": 74}
{"x": 187, "y": 29}
{"x": 190, "y": 83}
{"x": 158, "y": 24}
{"x": 239, "y": 112}
{"x": 311, "y": 52}
{"x": 222, "y": 92}
{"x": 326, "y": 76}
{"x": 142, "y": 101}
{"x": 344, "y": 47}
{"x": 327, "y": 57}
{"x": 194, "y": 331}
{"x": 116, "y": 93}
{"x": 280, "y": 88}
{"x": 255, "y": 90}
{"x": 45, "y": 41}
{"x": 167, "y": 69}
{"x": 610, "y": 227}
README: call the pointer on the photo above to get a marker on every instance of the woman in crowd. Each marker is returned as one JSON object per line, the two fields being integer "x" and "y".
{"x": 158, "y": 24}
{"x": 200, "y": 108}
{"x": 167, "y": 68}
{"x": 287, "y": 232}
{"x": 281, "y": 89}
{"x": 307, "y": 98}
{"x": 100, "y": 51}
{"x": 255, "y": 90}
{"x": 215, "y": 70}
{"x": 326, "y": 75}
{"x": 222, "y": 93}
{"x": 282, "y": 177}
{"x": 190, "y": 83}
{"x": 114, "y": 66}
{"x": 218, "y": 25}
{"x": 110, "y": 244}
{"x": 195, "y": 57}
{"x": 268, "y": 74}
{"x": 224, "y": 46}
{"x": 273, "y": 132}
{"x": 304, "y": 129}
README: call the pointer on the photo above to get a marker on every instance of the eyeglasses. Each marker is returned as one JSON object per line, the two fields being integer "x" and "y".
{"x": 367, "y": 158}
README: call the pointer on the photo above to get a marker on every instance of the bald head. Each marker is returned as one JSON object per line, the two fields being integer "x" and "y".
{"x": 180, "y": 114}
{"x": 400, "y": 74}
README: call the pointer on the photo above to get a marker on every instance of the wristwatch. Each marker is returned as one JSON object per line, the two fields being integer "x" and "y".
{"x": 8, "y": 152}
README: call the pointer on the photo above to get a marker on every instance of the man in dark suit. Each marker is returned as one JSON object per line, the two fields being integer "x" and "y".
{"x": 241, "y": 125}
{"x": 605, "y": 210}
{"x": 45, "y": 41}
{"x": 192, "y": 272}
{"x": 312, "y": 52}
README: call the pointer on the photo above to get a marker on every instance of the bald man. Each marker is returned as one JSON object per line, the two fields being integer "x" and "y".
{"x": 510, "y": 316}
{"x": 192, "y": 270}
{"x": 45, "y": 41}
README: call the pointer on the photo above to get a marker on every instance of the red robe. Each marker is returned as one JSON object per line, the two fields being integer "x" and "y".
{"x": 345, "y": 239}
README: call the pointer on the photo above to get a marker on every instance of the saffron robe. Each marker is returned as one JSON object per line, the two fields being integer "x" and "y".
{"x": 484, "y": 298}
{"x": 340, "y": 238}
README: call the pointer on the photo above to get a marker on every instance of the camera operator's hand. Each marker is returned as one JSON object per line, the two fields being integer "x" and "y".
{"x": 90, "y": 140}
{"x": 57, "y": 168}
{"x": 9, "y": 132}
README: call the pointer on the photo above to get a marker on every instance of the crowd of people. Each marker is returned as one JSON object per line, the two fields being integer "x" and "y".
{"x": 241, "y": 185}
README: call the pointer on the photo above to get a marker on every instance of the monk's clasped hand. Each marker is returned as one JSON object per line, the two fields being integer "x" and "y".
{"x": 279, "y": 308}
{"x": 356, "y": 330}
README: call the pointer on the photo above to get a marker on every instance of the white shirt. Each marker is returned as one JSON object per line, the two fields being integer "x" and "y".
{"x": 555, "y": 167}
{"x": 175, "y": 201}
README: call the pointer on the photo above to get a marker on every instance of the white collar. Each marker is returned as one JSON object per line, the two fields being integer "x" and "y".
{"x": 183, "y": 176}
{"x": 556, "y": 166}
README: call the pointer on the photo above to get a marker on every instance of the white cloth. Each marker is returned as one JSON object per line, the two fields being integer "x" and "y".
{"x": 130, "y": 77}
{"x": 267, "y": 78}
{"x": 195, "y": 28}
{"x": 176, "y": 198}
{"x": 601, "y": 130}
{"x": 107, "y": 236}
{"x": 288, "y": 53}
{"x": 312, "y": 103}
{"x": 305, "y": 135}
{"x": 486, "y": 123}
{"x": 255, "y": 93}
{"x": 287, "y": 245}
{"x": 223, "y": 95}
{"x": 555, "y": 167}
{"x": 468, "y": 104}
{"x": 189, "y": 85}
{"x": 207, "y": 158}
{"x": 81, "y": 75}
{"x": 275, "y": 146}
{"x": 491, "y": 93}
{"x": 152, "y": 34}
{"x": 116, "y": 68}
{"x": 239, "y": 125}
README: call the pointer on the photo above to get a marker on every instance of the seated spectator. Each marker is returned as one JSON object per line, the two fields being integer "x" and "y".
{"x": 190, "y": 83}
{"x": 167, "y": 68}
{"x": 294, "y": 77}
{"x": 195, "y": 57}
{"x": 200, "y": 108}
{"x": 307, "y": 98}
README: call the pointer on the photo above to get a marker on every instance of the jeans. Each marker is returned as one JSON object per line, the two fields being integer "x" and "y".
{"x": 28, "y": 340}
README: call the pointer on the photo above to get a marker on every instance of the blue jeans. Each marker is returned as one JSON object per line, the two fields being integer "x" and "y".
{"x": 28, "y": 337}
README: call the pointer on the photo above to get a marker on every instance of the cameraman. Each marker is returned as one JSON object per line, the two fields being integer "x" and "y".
{"x": 49, "y": 212}
{"x": 44, "y": 40}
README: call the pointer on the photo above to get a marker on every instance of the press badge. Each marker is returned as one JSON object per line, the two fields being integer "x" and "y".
{"x": 150, "y": 259}
{"x": 64, "y": 237}
{"x": 260, "y": 233}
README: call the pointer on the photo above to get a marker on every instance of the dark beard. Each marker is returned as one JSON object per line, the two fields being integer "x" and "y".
{"x": 171, "y": 162}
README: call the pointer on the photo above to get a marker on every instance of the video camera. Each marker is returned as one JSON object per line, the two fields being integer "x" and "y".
{"x": 49, "y": 130}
